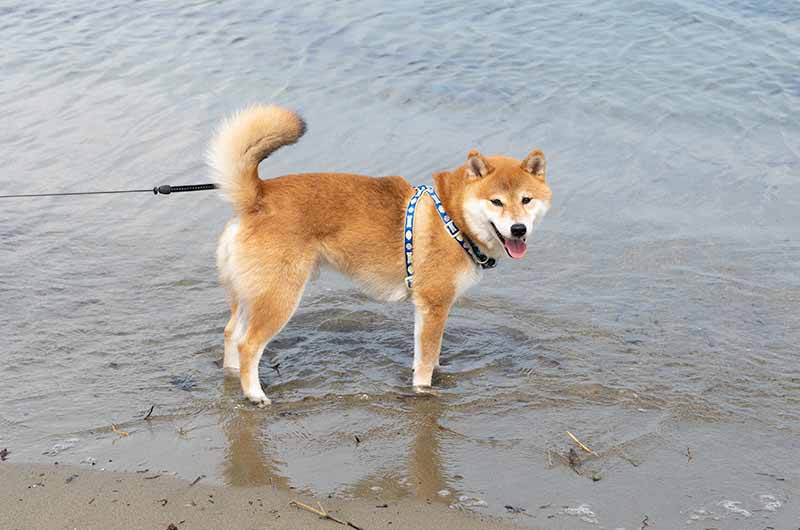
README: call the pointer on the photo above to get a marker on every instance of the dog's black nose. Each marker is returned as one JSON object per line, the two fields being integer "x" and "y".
{"x": 518, "y": 230}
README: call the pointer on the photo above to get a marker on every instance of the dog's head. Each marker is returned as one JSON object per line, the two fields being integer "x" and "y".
{"x": 504, "y": 200}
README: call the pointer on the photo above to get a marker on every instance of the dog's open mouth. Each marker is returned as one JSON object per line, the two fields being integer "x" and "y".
{"x": 515, "y": 247}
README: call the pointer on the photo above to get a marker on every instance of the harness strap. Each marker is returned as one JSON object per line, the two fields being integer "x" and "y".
{"x": 464, "y": 242}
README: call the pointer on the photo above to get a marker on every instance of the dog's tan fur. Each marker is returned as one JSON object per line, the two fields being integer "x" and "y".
{"x": 288, "y": 226}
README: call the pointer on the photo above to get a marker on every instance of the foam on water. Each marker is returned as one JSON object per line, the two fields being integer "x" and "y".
{"x": 584, "y": 512}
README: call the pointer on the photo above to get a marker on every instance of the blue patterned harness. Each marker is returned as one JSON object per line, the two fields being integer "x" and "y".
{"x": 466, "y": 243}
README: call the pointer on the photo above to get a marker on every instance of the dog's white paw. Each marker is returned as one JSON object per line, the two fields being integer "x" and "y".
{"x": 259, "y": 398}
{"x": 423, "y": 377}
{"x": 425, "y": 390}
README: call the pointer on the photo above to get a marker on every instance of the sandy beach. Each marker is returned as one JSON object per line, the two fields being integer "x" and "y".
{"x": 38, "y": 497}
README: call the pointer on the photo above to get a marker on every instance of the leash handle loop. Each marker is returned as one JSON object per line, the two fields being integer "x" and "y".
{"x": 167, "y": 189}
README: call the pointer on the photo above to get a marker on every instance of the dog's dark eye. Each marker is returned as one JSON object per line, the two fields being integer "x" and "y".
{"x": 497, "y": 202}
{"x": 526, "y": 200}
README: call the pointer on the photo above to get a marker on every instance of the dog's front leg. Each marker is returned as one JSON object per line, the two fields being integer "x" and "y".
{"x": 429, "y": 321}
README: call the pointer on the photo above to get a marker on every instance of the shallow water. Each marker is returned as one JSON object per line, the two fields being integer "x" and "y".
{"x": 656, "y": 316}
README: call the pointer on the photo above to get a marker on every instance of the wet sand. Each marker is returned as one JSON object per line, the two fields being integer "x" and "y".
{"x": 39, "y": 496}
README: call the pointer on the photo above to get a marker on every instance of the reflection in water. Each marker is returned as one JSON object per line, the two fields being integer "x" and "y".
{"x": 422, "y": 473}
{"x": 248, "y": 458}
{"x": 252, "y": 460}
{"x": 425, "y": 458}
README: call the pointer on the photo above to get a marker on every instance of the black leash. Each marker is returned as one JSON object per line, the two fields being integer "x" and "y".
{"x": 158, "y": 190}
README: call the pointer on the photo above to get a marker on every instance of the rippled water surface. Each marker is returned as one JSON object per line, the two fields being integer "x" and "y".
{"x": 656, "y": 316}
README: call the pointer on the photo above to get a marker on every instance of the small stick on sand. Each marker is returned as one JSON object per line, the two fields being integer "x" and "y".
{"x": 323, "y": 514}
{"x": 117, "y": 431}
{"x": 581, "y": 444}
{"x": 149, "y": 413}
{"x": 549, "y": 458}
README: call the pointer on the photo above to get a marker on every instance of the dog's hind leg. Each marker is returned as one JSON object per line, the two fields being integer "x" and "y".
{"x": 225, "y": 264}
{"x": 267, "y": 313}
{"x": 230, "y": 361}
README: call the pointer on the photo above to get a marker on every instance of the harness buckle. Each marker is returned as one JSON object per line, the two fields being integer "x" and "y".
{"x": 480, "y": 261}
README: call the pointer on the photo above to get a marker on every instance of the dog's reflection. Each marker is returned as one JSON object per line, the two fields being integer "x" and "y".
{"x": 426, "y": 456}
{"x": 250, "y": 458}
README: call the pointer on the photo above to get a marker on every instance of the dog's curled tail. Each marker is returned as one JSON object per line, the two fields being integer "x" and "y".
{"x": 244, "y": 140}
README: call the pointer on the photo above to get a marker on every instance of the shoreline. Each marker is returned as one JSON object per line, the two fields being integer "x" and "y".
{"x": 37, "y": 496}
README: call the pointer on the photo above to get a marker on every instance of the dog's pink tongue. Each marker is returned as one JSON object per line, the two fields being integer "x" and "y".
{"x": 516, "y": 248}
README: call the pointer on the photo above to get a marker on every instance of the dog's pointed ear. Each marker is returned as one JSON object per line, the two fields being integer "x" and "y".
{"x": 534, "y": 164}
{"x": 477, "y": 166}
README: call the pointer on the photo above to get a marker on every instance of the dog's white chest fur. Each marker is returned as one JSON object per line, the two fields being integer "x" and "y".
{"x": 467, "y": 278}
{"x": 381, "y": 290}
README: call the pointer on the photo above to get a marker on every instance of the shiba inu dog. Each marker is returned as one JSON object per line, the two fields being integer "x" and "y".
{"x": 382, "y": 232}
